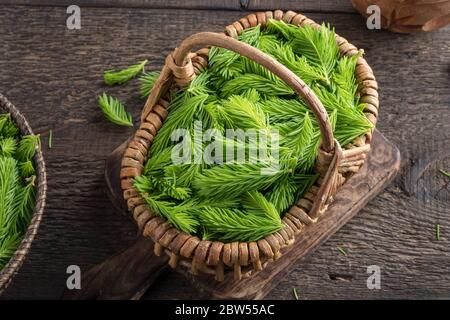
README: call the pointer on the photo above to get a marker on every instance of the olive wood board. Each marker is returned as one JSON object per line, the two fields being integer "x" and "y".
{"x": 128, "y": 274}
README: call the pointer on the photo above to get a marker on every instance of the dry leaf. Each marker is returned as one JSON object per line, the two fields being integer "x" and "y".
{"x": 407, "y": 16}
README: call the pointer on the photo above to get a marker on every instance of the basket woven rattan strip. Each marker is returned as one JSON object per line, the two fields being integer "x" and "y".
{"x": 334, "y": 164}
{"x": 17, "y": 259}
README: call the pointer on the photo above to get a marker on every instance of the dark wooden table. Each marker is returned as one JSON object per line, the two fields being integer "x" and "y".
{"x": 54, "y": 75}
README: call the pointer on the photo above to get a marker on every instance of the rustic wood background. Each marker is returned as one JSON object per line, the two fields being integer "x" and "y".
{"x": 53, "y": 76}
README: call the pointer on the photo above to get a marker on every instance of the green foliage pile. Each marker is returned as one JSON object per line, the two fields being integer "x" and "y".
{"x": 235, "y": 202}
{"x": 17, "y": 185}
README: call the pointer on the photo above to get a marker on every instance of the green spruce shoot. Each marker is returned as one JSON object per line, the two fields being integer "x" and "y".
{"x": 112, "y": 77}
{"x": 114, "y": 111}
{"x": 147, "y": 81}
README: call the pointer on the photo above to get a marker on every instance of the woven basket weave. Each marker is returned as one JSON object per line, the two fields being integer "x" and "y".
{"x": 334, "y": 164}
{"x": 17, "y": 259}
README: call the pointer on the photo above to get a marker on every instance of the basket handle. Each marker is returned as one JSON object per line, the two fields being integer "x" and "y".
{"x": 180, "y": 59}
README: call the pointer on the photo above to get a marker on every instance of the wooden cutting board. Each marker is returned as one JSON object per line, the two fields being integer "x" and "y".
{"x": 128, "y": 274}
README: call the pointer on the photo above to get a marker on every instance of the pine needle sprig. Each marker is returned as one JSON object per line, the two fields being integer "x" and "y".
{"x": 26, "y": 169}
{"x": 284, "y": 53}
{"x": 345, "y": 80}
{"x": 282, "y": 194}
{"x": 285, "y": 110}
{"x": 112, "y": 77}
{"x": 233, "y": 180}
{"x": 8, "y": 128}
{"x": 227, "y": 225}
{"x": 298, "y": 139}
{"x": 302, "y": 143}
{"x": 24, "y": 201}
{"x": 289, "y": 189}
{"x": 262, "y": 84}
{"x": 147, "y": 81}
{"x": 9, "y": 184}
{"x": 350, "y": 123}
{"x": 114, "y": 111}
{"x": 252, "y": 95}
{"x": 181, "y": 117}
{"x": 159, "y": 161}
{"x": 144, "y": 184}
{"x": 254, "y": 202}
{"x": 308, "y": 154}
{"x": 282, "y": 29}
{"x": 214, "y": 116}
{"x": 244, "y": 114}
{"x": 185, "y": 173}
{"x": 200, "y": 85}
{"x": 168, "y": 186}
{"x": 444, "y": 172}
{"x": 223, "y": 61}
{"x": 251, "y": 67}
{"x": 177, "y": 215}
{"x": 4, "y": 119}
{"x": 165, "y": 186}
{"x": 8, "y": 147}
{"x": 318, "y": 46}
{"x": 184, "y": 109}
{"x": 299, "y": 65}
{"x": 28, "y": 146}
{"x": 50, "y": 139}
{"x": 238, "y": 146}
{"x": 269, "y": 43}
{"x": 225, "y": 203}
{"x": 8, "y": 246}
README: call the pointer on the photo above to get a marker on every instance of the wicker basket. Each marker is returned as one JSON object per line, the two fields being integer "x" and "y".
{"x": 334, "y": 164}
{"x": 17, "y": 259}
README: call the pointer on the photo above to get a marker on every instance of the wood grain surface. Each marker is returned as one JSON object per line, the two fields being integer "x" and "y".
{"x": 304, "y": 5}
{"x": 52, "y": 75}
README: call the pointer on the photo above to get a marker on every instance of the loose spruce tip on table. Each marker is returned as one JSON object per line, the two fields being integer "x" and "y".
{"x": 22, "y": 189}
{"x": 311, "y": 97}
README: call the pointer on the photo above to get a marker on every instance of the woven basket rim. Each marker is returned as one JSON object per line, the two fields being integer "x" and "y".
{"x": 19, "y": 255}
{"x": 193, "y": 249}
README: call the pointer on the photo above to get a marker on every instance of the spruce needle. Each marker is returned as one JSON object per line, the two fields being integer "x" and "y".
{"x": 50, "y": 139}
{"x": 113, "y": 77}
{"x": 114, "y": 111}
{"x": 294, "y": 290}
{"x": 342, "y": 251}
{"x": 445, "y": 173}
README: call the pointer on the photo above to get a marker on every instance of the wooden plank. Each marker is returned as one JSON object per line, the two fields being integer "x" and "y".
{"x": 305, "y": 5}
{"x": 126, "y": 275}
{"x": 53, "y": 75}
